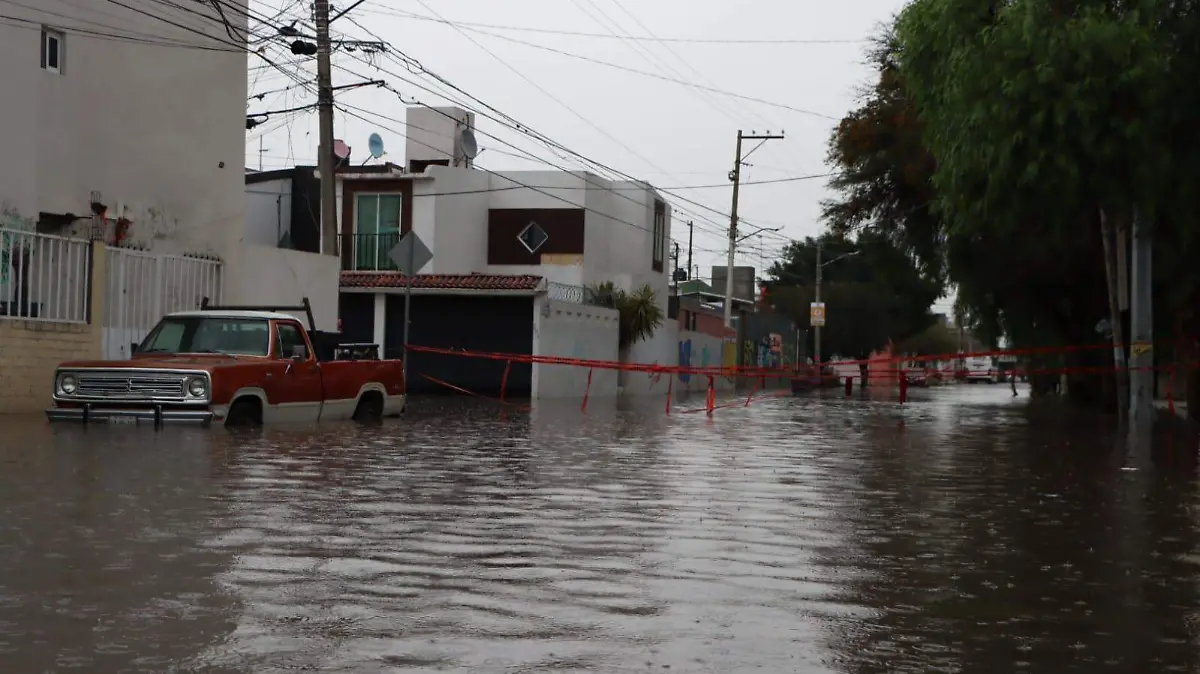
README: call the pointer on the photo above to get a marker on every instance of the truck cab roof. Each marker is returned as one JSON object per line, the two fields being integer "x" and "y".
{"x": 258, "y": 315}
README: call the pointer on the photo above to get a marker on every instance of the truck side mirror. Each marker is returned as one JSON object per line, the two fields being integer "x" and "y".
{"x": 299, "y": 352}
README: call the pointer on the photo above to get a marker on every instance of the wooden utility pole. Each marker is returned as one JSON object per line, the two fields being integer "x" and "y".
{"x": 325, "y": 163}
{"x": 736, "y": 176}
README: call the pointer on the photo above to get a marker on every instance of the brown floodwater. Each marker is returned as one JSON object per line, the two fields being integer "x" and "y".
{"x": 966, "y": 531}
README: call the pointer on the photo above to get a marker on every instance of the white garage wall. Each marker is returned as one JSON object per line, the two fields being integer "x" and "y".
{"x": 570, "y": 330}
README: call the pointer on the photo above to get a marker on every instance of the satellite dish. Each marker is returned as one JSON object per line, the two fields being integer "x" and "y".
{"x": 375, "y": 145}
{"x": 469, "y": 147}
{"x": 340, "y": 149}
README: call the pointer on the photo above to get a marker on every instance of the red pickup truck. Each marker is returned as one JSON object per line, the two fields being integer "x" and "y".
{"x": 233, "y": 365}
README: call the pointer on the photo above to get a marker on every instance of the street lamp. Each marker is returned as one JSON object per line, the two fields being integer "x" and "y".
{"x": 817, "y": 300}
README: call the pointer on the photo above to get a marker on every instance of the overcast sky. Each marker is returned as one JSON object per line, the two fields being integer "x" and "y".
{"x": 659, "y": 124}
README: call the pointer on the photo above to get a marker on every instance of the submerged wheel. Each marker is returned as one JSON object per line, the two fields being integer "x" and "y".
{"x": 370, "y": 408}
{"x": 244, "y": 413}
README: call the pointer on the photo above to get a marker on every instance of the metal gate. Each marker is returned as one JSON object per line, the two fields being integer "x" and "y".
{"x": 141, "y": 287}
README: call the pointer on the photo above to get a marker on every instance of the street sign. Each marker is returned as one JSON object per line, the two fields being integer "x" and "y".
{"x": 410, "y": 248}
{"x": 816, "y": 314}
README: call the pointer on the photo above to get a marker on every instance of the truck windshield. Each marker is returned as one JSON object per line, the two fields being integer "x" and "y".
{"x": 201, "y": 334}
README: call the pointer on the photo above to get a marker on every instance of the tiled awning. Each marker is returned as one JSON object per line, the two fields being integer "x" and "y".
{"x": 484, "y": 282}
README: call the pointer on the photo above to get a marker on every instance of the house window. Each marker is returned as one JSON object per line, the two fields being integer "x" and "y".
{"x": 533, "y": 237}
{"x": 52, "y": 50}
{"x": 376, "y": 231}
{"x": 660, "y": 235}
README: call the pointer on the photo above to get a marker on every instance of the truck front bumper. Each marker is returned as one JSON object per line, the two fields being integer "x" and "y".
{"x": 156, "y": 415}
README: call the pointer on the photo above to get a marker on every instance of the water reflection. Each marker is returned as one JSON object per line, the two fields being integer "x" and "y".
{"x": 965, "y": 531}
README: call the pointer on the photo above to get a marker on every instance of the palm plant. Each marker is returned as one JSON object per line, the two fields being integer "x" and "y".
{"x": 638, "y": 311}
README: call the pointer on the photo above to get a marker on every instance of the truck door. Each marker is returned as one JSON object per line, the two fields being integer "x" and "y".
{"x": 295, "y": 389}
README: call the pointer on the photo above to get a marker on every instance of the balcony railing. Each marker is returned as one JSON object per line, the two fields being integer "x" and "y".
{"x": 368, "y": 252}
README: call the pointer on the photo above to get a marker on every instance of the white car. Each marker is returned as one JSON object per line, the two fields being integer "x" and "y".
{"x": 980, "y": 368}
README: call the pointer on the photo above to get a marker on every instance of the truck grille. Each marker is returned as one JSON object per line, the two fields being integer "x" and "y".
{"x": 131, "y": 385}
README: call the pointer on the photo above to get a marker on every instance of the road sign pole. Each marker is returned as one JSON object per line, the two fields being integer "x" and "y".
{"x": 410, "y": 256}
{"x": 408, "y": 281}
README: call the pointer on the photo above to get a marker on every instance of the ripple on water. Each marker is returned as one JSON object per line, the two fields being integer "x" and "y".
{"x": 962, "y": 532}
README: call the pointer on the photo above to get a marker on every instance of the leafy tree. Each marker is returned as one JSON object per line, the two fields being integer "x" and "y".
{"x": 1037, "y": 114}
{"x": 873, "y": 291}
{"x": 884, "y": 170}
{"x": 638, "y": 312}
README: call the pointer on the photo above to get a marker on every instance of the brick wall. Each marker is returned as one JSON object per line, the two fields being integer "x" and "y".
{"x": 29, "y": 353}
{"x": 30, "y": 350}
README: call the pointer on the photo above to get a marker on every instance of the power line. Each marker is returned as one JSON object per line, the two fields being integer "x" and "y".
{"x": 513, "y": 124}
{"x": 656, "y": 76}
{"x": 28, "y": 24}
{"x": 636, "y": 38}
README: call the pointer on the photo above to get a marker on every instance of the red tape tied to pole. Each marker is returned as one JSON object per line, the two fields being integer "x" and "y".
{"x": 712, "y": 397}
{"x": 670, "y": 386}
{"x": 586, "y": 392}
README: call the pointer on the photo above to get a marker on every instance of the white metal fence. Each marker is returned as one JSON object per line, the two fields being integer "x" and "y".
{"x": 143, "y": 286}
{"x": 44, "y": 277}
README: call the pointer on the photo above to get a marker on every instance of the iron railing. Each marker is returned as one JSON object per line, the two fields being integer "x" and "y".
{"x": 368, "y": 252}
{"x": 44, "y": 277}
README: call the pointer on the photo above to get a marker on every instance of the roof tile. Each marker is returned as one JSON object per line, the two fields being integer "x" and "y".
{"x": 386, "y": 279}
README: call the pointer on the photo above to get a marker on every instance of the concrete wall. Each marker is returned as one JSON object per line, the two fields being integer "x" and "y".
{"x": 698, "y": 349}
{"x": 31, "y": 350}
{"x": 155, "y": 127}
{"x": 268, "y": 212}
{"x": 662, "y": 348}
{"x": 570, "y": 330}
{"x": 265, "y": 275}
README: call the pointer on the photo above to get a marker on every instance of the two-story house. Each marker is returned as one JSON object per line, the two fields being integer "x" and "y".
{"x": 502, "y": 244}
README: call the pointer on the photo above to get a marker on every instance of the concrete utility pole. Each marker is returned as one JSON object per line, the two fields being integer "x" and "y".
{"x": 817, "y": 299}
{"x": 1141, "y": 320}
{"x": 736, "y": 176}
{"x": 690, "y": 232}
{"x": 325, "y": 164}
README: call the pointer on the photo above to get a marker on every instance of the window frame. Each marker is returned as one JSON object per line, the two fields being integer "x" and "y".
{"x": 372, "y": 251}
{"x": 659, "y": 235}
{"x": 279, "y": 327}
{"x": 59, "y": 39}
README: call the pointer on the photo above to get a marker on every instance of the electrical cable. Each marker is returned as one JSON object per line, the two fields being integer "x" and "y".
{"x": 571, "y": 33}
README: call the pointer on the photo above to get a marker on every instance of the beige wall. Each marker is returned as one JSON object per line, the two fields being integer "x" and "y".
{"x": 30, "y": 350}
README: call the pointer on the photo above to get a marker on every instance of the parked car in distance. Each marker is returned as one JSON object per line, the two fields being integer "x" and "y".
{"x": 980, "y": 368}
{"x": 232, "y": 365}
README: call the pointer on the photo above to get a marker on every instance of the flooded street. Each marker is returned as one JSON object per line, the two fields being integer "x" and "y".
{"x": 966, "y": 531}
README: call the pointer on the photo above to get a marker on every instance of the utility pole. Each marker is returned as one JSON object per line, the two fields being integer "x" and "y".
{"x": 1114, "y": 309}
{"x": 1141, "y": 319}
{"x": 817, "y": 299}
{"x": 325, "y": 163}
{"x": 736, "y": 176}
{"x": 690, "y": 232}
{"x": 675, "y": 268}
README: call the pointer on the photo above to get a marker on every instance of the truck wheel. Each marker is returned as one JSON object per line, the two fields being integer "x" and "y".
{"x": 244, "y": 413}
{"x": 370, "y": 408}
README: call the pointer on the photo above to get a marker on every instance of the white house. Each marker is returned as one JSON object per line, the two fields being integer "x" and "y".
{"x": 484, "y": 229}
{"x": 135, "y": 106}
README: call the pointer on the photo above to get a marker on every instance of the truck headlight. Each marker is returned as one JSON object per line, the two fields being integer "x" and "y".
{"x": 198, "y": 387}
{"x": 68, "y": 384}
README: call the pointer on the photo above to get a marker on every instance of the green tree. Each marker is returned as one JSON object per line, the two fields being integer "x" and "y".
{"x": 1037, "y": 114}
{"x": 873, "y": 291}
